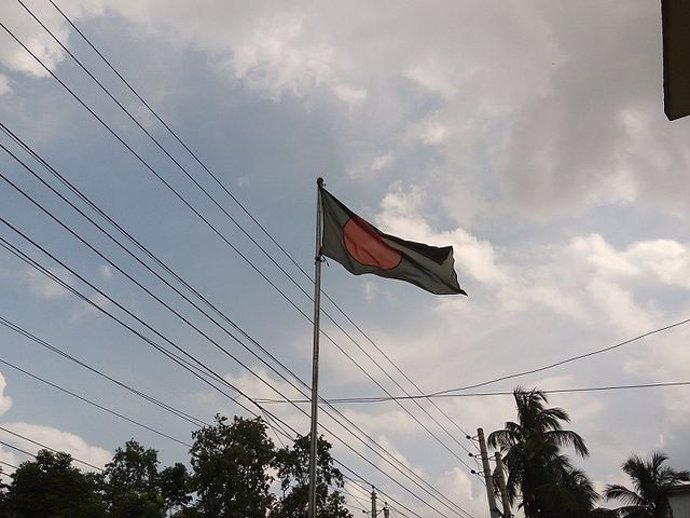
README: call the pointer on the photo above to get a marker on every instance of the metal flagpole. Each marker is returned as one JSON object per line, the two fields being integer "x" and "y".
{"x": 315, "y": 358}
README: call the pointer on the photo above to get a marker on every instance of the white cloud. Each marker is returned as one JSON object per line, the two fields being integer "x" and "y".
{"x": 5, "y": 86}
{"x": 374, "y": 167}
{"x": 432, "y": 132}
{"x": 536, "y": 120}
{"x": 433, "y": 76}
{"x": 34, "y": 37}
{"x": 475, "y": 258}
{"x": 597, "y": 133}
{"x": 457, "y": 485}
{"x": 106, "y": 272}
{"x": 575, "y": 124}
{"x": 398, "y": 459}
{"x": 382, "y": 162}
{"x": 586, "y": 279}
{"x": 11, "y": 457}
{"x": 276, "y": 58}
{"x": 664, "y": 260}
{"x": 85, "y": 308}
{"x": 5, "y": 401}
{"x": 351, "y": 96}
{"x": 257, "y": 387}
{"x": 58, "y": 440}
{"x": 43, "y": 286}
{"x": 370, "y": 291}
{"x": 379, "y": 420}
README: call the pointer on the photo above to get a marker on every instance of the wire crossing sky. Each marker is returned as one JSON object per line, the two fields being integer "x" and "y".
{"x": 194, "y": 181}
{"x": 159, "y": 163}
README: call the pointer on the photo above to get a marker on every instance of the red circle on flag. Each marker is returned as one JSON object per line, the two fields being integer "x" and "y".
{"x": 366, "y": 247}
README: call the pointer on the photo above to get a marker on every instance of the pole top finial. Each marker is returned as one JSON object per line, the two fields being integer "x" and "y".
{"x": 319, "y": 181}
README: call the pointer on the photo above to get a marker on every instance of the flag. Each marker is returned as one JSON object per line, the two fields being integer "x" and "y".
{"x": 362, "y": 248}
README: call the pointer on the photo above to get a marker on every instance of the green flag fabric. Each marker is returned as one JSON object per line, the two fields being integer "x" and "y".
{"x": 362, "y": 248}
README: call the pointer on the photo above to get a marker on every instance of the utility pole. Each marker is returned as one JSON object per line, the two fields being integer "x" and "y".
{"x": 493, "y": 511}
{"x": 502, "y": 485}
{"x": 373, "y": 502}
{"x": 386, "y": 511}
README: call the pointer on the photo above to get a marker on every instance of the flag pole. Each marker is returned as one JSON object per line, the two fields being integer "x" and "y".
{"x": 315, "y": 357}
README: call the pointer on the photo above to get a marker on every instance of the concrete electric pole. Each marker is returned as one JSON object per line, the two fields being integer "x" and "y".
{"x": 487, "y": 474}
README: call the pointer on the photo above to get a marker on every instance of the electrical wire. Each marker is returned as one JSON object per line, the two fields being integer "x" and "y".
{"x": 215, "y": 230}
{"x": 94, "y": 404}
{"x": 4, "y": 463}
{"x": 15, "y": 448}
{"x": 4, "y": 27}
{"x": 235, "y": 222}
{"x": 119, "y": 269}
{"x": 389, "y": 497}
{"x": 196, "y": 328}
{"x": 13, "y": 466}
{"x": 41, "y": 445}
{"x": 356, "y": 498}
{"x": 375, "y": 399}
{"x": 185, "y": 364}
{"x": 165, "y": 406}
{"x": 567, "y": 360}
{"x": 24, "y": 257}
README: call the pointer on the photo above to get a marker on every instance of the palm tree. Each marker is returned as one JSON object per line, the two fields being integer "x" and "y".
{"x": 650, "y": 481}
{"x": 536, "y": 468}
{"x": 577, "y": 494}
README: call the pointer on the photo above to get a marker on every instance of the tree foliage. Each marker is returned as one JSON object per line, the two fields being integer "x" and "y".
{"x": 174, "y": 483}
{"x": 130, "y": 483}
{"x": 230, "y": 463}
{"x": 50, "y": 487}
{"x": 651, "y": 479}
{"x": 537, "y": 469}
{"x": 237, "y": 472}
{"x": 292, "y": 465}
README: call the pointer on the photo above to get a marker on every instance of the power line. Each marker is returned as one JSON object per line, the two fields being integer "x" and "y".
{"x": 180, "y": 361}
{"x": 131, "y": 254}
{"x": 356, "y": 483}
{"x": 174, "y": 357}
{"x": 33, "y": 263}
{"x": 25, "y": 258}
{"x": 148, "y": 268}
{"x": 8, "y": 445}
{"x": 94, "y": 404}
{"x": 236, "y": 223}
{"x": 165, "y": 406}
{"x": 137, "y": 283}
{"x": 4, "y": 463}
{"x": 61, "y": 82}
{"x": 157, "y": 298}
{"x": 357, "y": 499}
{"x": 41, "y": 445}
{"x": 100, "y": 469}
{"x": 177, "y": 291}
{"x": 193, "y": 326}
{"x": 196, "y": 212}
{"x": 375, "y": 399}
{"x": 567, "y": 360}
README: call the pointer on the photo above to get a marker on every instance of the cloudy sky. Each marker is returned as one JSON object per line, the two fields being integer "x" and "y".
{"x": 529, "y": 135}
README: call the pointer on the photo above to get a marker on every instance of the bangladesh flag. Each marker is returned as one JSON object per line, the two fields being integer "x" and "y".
{"x": 362, "y": 248}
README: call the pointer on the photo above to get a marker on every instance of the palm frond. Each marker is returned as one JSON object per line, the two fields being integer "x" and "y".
{"x": 622, "y": 493}
{"x": 502, "y": 438}
{"x": 633, "y": 511}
